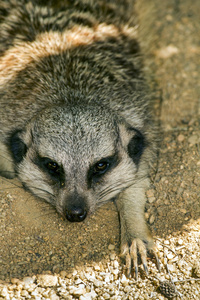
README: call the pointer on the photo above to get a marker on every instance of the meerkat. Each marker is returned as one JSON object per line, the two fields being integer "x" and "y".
{"x": 75, "y": 121}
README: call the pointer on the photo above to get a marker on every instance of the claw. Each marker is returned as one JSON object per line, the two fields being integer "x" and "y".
{"x": 131, "y": 255}
{"x": 157, "y": 260}
{"x": 128, "y": 264}
{"x": 153, "y": 251}
{"x": 138, "y": 246}
{"x": 143, "y": 254}
{"x": 146, "y": 269}
{"x": 136, "y": 273}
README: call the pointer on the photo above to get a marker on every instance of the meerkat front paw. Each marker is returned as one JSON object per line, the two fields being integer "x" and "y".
{"x": 130, "y": 251}
{"x": 135, "y": 235}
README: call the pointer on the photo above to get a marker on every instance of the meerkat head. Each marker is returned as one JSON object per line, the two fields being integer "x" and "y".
{"x": 77, "y": 157}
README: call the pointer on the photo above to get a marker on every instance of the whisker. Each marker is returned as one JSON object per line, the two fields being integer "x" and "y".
{"x": 49, "y": 213}
{"x": 103, "y": 207}
{"x": 102, "y": 198}
{"x": 119, "y": 186}
{"x": 42, "y": 190}
{"x": 12, "y": 183}
{"x": 115, "y": 186}
{"x": 5, "y": 157}
{"x": 8, "y": 188}
{"x": 7, "y": 172}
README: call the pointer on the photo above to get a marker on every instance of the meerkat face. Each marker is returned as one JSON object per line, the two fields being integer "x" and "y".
{"x": 77, "y": 158}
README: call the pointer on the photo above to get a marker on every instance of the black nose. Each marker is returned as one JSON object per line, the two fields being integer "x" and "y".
{"x": 76, "y": 214}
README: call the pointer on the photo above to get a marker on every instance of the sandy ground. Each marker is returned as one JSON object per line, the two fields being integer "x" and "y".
{"x": 35, "y": 240}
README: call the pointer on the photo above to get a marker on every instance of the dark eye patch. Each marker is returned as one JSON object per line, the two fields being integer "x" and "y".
{"x": 52, "y": 168}
{"x": 101, "y": 167}
{"x": 136, "y": 146}
{"x": 17, "y": 146}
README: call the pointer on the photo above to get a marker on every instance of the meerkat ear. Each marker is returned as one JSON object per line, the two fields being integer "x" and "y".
{"x": 17, "y": 146}
{"x": 136, "y": 146}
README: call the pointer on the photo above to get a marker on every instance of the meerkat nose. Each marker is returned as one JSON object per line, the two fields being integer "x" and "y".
{"x": 76, "y": 214}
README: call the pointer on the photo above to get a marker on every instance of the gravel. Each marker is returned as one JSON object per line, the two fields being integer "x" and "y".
{"x": 180, "y": 276}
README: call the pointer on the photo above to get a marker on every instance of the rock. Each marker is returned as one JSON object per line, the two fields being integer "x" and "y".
{"x": 96, "y": 268}
{"x": 115, "y": 264}
{"x": 194, "y": 139}
{"x": 47, "y": 280}
{"x": 180, "y": 241}
{"x": 4, "y": 293}
{"x": 98, "y": 283}
{"x": 151, "y": 199}
{"x": 63, "y": 274}
{"x": 151, "y": 219}
{"x": 196, "y": 269}
{"x": 170, "y": 256}
{"x": 167, "y": 51}
{"x": 180, "y": 138}
{"x": 28, "y": 280}
{"x": 88, "y": 296}
{"x": 150, "y": 193}
{"x": 112, "y": 256}
{"x": 111, "y": 247}
{"x": 14, "y": 281}
{"x": 124, "y": 280}
{"x": 78, "y": 291}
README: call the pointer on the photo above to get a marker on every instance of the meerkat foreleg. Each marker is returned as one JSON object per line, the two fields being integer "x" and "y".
{"x": 135, "y": 234}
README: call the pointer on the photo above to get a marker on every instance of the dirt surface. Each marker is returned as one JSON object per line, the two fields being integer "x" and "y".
{"x": 34, "y": 239}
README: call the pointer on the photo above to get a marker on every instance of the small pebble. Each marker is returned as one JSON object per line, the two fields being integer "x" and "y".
{"x": 97, "y": 268}
{"x": 115, "y": 264}
{"x": 78, "y": 281}
{"x": 112, "y": 256}
{"x": 151, "y": 219}
{"x": 167, "y": 52}
{"x": 151, "y": 199}
{"x": 124, "y": 280}
{"x": 150, "y": 193}
{"x": 47, "y": 280}
{"x": 183, "y": 210}
{"x": 111, "y": 247}
{"x": 98, "y": 283}
{"x": 196, "y": 269}
{"x": 4, "y": 293}
{"x": 15, "y": 281}
{"x": 194, "y": 139}
{"x": 56, "y": 269}
{"x": 170, "y": 256}
{"x": 63, "y": 274}
{"x": 166, "y": 242}
{"x": 171, "y": 268}
{"x": 180, "y": 138}
{"x": 24, "y": 293}
{"x": 28, "y": 280}
{"x": 78, "y": 291}
{"x": 180, "y": 242}
{"x": 106, "y": 296}
{"x": 88, "y": 296}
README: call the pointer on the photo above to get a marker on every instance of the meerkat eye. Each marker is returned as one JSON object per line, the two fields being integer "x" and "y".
{"x": 101, "y": 167}
{"x": 52, "y": 166}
